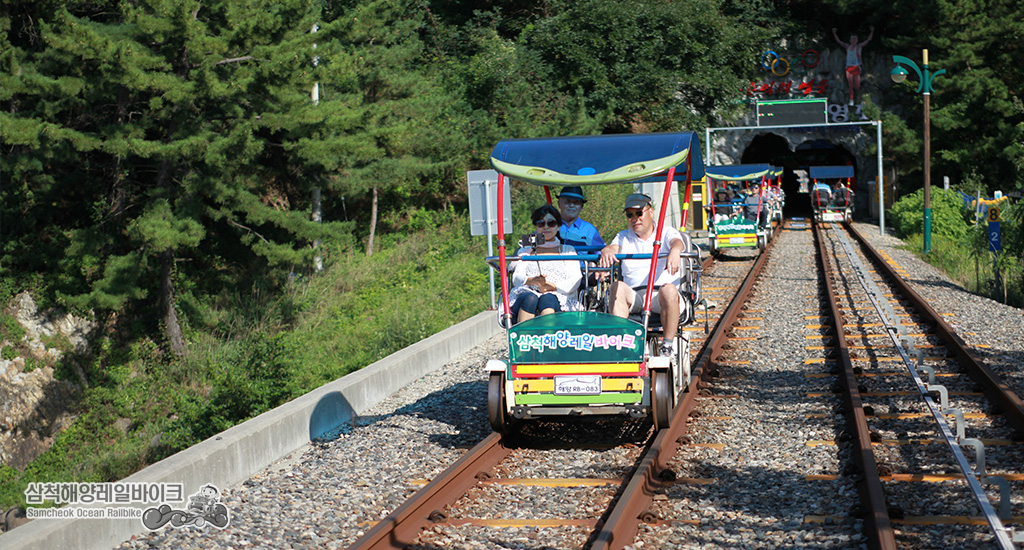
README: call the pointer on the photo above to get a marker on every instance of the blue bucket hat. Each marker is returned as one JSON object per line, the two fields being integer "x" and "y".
{"x": 572, "y": 192}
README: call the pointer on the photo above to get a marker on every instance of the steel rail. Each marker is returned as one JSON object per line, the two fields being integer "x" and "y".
{"x": 401, "y": 527}
{"x": 1003, "y": 535}
{"x": 872, "y": 494}
{"x": 620, "y": 527}
{"x": 992, "y": 385}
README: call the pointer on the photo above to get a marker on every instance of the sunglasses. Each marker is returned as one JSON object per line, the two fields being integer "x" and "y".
{"x": 546, "y": 223}
{"x": 634, "y": 214}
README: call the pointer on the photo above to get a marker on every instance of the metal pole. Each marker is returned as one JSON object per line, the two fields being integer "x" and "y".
{"x": 881, "y": 181}
{"x": 927, "y": 160}
{"x": 707, "y": 146}
{"x": 317, "y": 214}
{"x": 490, "y": 234}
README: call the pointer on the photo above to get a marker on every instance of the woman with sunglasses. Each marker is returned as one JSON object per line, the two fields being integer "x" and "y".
{"x": 543, "y": 287}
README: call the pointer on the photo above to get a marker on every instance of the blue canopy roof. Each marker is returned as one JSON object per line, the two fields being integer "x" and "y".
{"x": 831, "y": 172}
{"x": 738, "y": 172}
{"x": 591, "y": 160}
{"x": 776, "y": 171}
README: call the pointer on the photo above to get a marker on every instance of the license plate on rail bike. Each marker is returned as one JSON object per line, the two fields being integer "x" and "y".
{"x": 589, "y": 384}
{"x": 736, "y": 240}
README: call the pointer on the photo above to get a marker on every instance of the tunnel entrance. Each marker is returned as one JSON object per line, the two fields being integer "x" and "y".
{"x": 774, "y": 149}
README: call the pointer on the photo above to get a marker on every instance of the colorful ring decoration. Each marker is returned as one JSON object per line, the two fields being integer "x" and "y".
{"x": 768, "y": 59}
{"x": 815, "y": 56}
{"x": 779, "y": 61}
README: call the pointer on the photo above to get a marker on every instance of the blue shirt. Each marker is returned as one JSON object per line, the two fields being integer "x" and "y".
{"x": 580, "y": 233}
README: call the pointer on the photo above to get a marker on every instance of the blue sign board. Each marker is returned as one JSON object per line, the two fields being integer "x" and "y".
{"x": 994, "y": 242}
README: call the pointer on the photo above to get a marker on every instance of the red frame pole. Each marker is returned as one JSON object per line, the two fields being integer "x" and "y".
{"x": 657, "y": 242}
{"x": 710, "y": 190}
{"x": 760, "y": 196}
{"x": 547, "y": 194}
{"x": 501, "y": 251}
{"x": 689, "y": 189}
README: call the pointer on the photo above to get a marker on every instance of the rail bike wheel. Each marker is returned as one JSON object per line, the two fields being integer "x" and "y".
{"x": 496, "y": 413}
{"x": 661, "y": 399}
{"x": 761, "y": 242}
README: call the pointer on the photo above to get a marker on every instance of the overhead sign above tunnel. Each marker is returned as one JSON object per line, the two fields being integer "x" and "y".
{"x": 792, "y": 112}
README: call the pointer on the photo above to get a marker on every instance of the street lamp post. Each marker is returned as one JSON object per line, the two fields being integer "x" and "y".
{"x": 899, "y": 74}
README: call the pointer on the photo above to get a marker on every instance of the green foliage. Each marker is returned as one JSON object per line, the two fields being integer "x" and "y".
{"x": 654, "y": 66}
{"x": 960, "y": 249}
{"x": 976, "y": 114}
{"x": 250, "y": 379}
{"x": 10, "y": 489}
{"x": 970, "y": 264}
{"x": 10, "y": 329}
{"x": 948, "y": 214}
{"x": 416, "y": 285}
{"x": 8, "y": 353}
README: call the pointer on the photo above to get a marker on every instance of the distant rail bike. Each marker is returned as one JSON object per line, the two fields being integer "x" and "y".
{"x": 740, "y": 209}
{"x": 776, "y": 196}
{"x": 590, "y": 362}
{"x": 832, "y": 202}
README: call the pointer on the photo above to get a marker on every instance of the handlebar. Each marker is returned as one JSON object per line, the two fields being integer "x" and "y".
{"x": 493, "y": 260}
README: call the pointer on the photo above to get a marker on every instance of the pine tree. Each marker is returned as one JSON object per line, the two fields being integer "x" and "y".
{"x": 154, "y": 116}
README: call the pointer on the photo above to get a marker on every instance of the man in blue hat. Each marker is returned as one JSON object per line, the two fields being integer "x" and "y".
{"x": 576, "y": 232}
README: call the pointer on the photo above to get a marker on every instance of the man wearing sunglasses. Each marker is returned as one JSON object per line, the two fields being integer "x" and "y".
{"x": 627, "y": 295}
{"x": 575, "y": 231}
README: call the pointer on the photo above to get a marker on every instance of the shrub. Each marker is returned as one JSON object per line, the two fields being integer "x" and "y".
{"x": 10, "y": 329}
{"x": 948, "y": 215}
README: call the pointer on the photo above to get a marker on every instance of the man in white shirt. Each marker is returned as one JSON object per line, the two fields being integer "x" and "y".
{"x": 627, "y": 295}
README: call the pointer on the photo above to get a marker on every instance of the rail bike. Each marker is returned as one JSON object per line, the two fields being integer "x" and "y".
{"x": 776, "y": 196}
{"x": 832, "y": 202}
{"x": 738, "y": 213}
{"x": 589, "y": 362}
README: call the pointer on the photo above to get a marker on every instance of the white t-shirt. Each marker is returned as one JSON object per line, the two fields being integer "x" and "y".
{"x": 634, "y": 272}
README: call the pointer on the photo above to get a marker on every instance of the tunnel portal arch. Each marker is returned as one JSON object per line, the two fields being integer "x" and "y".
{"x": 797, "y": 149}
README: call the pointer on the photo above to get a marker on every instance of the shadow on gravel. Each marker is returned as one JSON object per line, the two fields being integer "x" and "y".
{"x": 941, "y": 284}
{"x": 723, "y": 257}
{"x": 583, "y": 433}
{"x": 463, "y": 407}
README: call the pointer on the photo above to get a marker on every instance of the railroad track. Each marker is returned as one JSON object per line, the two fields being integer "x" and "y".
{"x": 921, "y": 410}
{"x": 861, "y": 461}
{"x": 614, "y": 466}
{"x": 842, "y": 453}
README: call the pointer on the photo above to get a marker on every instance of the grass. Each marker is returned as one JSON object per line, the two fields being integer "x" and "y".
{"x": 972, "y": 270}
